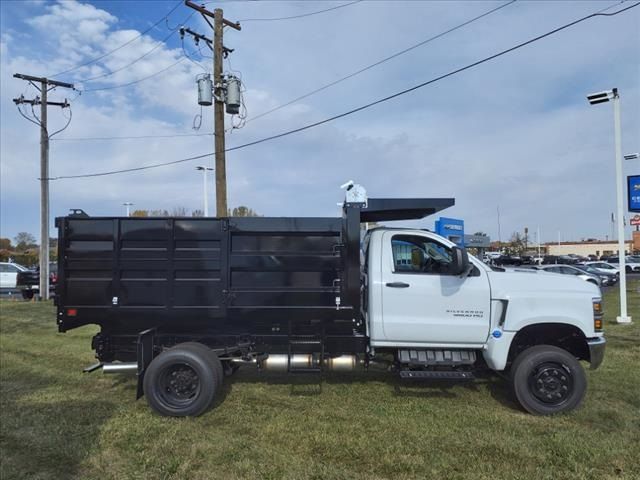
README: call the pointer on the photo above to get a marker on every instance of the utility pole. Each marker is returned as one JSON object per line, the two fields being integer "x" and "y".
{"x": 45, "y": 86}
{"x": 219, "y": 52}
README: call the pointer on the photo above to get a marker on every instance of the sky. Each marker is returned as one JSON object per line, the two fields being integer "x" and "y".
{"x": 515, "y": 134}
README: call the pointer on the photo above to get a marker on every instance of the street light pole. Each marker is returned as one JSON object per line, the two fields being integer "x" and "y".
{"x": 594, "y": 99}
{"x": 204, "y": 184}
{"x": 624, "y": 317}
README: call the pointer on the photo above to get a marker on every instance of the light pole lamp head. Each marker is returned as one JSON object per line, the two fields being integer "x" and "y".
{"x": 632, "y": 156}
{"x": 601, "y": 97}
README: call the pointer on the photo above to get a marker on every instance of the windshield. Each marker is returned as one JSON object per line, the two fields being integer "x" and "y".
{"x": 589, "y": 269}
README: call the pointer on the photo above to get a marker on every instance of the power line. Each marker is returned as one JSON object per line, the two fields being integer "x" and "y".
{"x": 94, "y": 60}
{"x": 386, "y": 59}
{"x": 135, "y": 169}
{"x": 181, "y": 59}
{"x": 147, "y": 53}
{"x": 368, "y": 105}
{"x": 356, "y": 72}
{"x": 298, "y": 16}
{"x": 124, "y": 67}
{"x": 134, "y": 137}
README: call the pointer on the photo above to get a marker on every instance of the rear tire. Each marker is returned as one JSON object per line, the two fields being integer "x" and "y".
{"x": 548, "y": 380}
{"x": 183, "y": 381}
{"x": 213, "y": 358}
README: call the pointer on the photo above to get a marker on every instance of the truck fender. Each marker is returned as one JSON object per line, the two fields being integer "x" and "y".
{"x": 496, "y": 351}
{"x": 503, "y": 345}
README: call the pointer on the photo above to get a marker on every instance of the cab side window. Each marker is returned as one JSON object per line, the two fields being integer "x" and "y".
{"x": 416, "y": 254}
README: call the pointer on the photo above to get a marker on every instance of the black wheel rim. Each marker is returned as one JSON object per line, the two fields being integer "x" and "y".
{"x": 551, "y": 383}
{"x": 179, "y": 385}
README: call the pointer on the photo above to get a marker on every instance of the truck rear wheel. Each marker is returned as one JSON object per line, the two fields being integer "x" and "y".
{"x": 547, "y": 380}
{"x": 183, "y": 381}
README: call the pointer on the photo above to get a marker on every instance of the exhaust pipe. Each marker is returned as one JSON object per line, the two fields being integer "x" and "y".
{"x": 129, "y": 367}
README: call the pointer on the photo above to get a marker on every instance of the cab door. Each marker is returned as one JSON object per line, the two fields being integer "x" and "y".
{"x": 422, "y": 303}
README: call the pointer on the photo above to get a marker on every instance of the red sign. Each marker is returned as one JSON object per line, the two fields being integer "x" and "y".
{"x": 635, "y": 220}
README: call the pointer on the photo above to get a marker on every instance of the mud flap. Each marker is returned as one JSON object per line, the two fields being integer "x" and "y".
{"x": 145, "y": 356}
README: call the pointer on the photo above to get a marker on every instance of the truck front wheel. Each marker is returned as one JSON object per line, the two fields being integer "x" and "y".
{"x": 182, "y": 381}
{"x": 547, "y": 380}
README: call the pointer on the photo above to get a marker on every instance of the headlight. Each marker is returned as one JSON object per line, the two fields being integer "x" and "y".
{"x": 598, "y": 314}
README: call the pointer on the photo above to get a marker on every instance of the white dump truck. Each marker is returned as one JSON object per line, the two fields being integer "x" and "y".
{"x": 183, "y": 301}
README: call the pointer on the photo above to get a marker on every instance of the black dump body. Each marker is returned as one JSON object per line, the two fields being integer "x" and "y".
{"x": 225, "y": 282}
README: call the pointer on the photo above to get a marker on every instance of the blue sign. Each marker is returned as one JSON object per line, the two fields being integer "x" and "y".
{"x": 633, "y": 186}
{"x": 452, "y": 229}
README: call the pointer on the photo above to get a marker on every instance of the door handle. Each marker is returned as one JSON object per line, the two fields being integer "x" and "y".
{"x": 397, "y": 285}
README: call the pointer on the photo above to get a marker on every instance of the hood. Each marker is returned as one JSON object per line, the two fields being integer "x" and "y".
{"x": 504, "y": 284}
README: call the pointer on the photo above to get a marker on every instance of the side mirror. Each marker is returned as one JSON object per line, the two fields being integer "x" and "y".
{"x": 460, "y": 264}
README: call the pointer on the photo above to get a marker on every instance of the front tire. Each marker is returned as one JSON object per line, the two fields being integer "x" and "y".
{"x": 548, "y": 380}
{"x": 183, "y": 381}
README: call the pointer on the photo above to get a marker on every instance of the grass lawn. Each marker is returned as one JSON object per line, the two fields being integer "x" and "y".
{"x": 57, "y": 422}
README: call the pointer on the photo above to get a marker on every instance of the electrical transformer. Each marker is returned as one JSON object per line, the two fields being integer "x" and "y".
{"x": 205, "y": 90}
{"x": 232, "y": 99}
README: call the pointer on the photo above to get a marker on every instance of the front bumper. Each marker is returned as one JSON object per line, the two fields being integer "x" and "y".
{"x": 596, "y": 351}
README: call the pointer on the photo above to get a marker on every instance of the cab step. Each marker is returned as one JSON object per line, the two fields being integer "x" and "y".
{"x": 436, "y": 375}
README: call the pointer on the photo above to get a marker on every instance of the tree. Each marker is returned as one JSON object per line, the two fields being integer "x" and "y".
{"x": 25, "y": 241}
{"x": 5, "y": 244}
{"x": 158, "y": 213}
{"x": 179, "y": 212}
{"x": 140, "y": 213}
{"x": 243, "y": 211}
{"x": 197, "y": 213}
{"x": 517, "y": 244}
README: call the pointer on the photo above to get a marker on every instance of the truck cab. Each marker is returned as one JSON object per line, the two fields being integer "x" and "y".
{"x": 425, "y": 304}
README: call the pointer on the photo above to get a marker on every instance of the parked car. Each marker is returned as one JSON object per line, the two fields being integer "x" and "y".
{"x": 526, "y": 259}
{"x": 632, "y": 265}
{"x": 507, "y": 260}
{"x": 606, "y": 278}
{"x": 537, "y": 260}
{"x": 29, "y": 281}
{"x": 604, "y": 267}
{"x": 558, "y": 260}
{"x": 9, "y": 274}
{"x": 572, "y": 270}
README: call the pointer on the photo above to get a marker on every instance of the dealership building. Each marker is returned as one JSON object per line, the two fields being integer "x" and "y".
{"x": 586, "y": 248}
